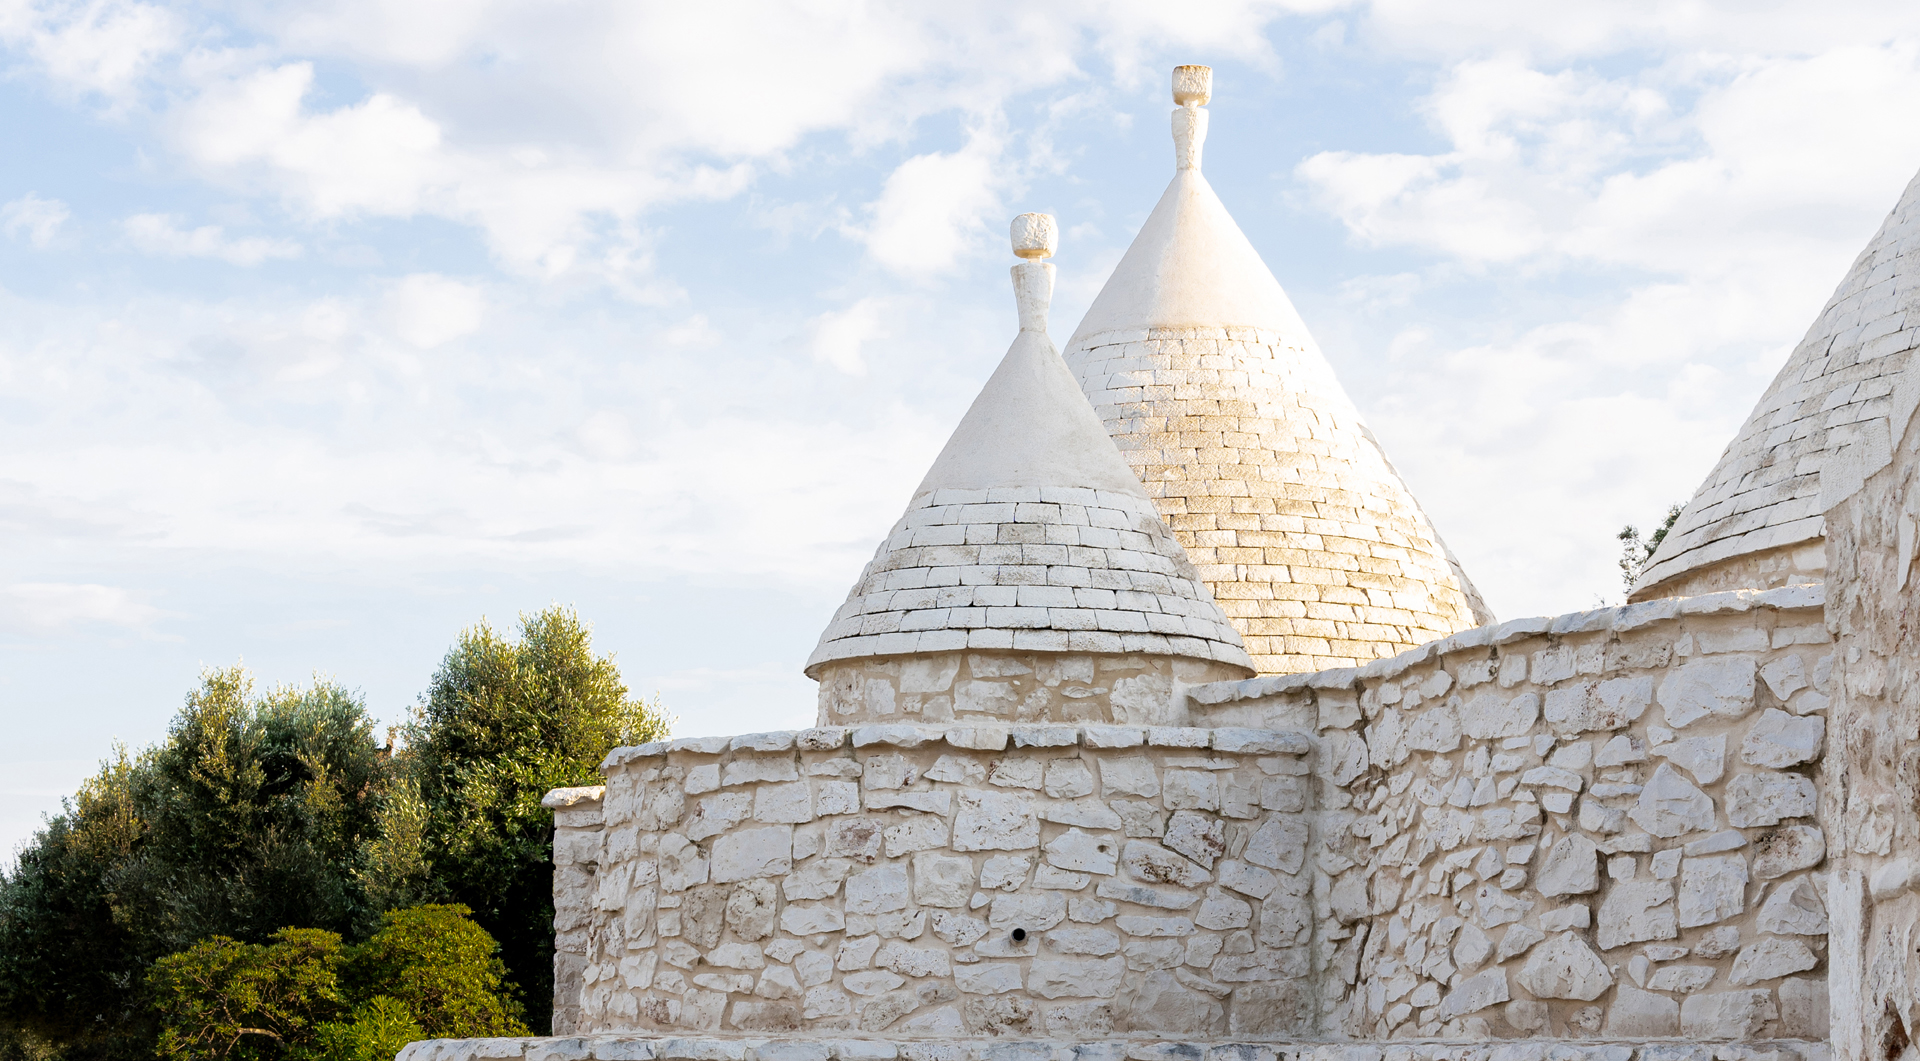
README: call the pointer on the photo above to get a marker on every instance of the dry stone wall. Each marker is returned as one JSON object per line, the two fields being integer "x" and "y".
{"x": 929, "y": 882}
{"x": 1604, "y": 824}
{"x": 1601, "y": 829}
{"x": 1872, "y": 770}
{"x": 702, "y": 1048}
{"x": 1009, "y": 687}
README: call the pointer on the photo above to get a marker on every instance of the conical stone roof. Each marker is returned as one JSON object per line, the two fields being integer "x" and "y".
{"x": 1030, "y": 533}
{"x": 1223, "y": 405}
{"x": 1756, "y": 521}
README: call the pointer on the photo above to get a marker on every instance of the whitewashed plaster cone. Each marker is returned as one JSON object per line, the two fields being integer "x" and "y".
{"x": 1221, "y": 402}
{"x": 1030, "y": 534}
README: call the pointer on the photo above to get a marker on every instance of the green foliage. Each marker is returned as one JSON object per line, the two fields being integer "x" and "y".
{"x": 260, "y": 812}
{"x": 1636, "y": 554}
{"x": 375, "y": 1032}
{"x": 225, "y": 999}
{"x": 503, "y": 722}
{"x": 247, "y": 819}
{"x": 443, "y": 968}
{"x": 429, "y": 973}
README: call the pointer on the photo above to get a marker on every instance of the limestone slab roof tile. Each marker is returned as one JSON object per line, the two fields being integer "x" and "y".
{"x": 1221, "y": 402}
{"x": 1030, "y": 533}
{"x": 1764, "y": 493}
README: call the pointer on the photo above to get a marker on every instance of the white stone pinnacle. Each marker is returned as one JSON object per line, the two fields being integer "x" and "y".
{"x": 1034, "y": 237}
{"x": 1192, "y": 88}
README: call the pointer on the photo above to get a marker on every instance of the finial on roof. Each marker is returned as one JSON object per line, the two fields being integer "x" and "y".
{"x": 1192, "y": 85}
{"x": 1192, "y": 88}
{"x": 1034, "y": 238}
{"x": 1035, "y": 235}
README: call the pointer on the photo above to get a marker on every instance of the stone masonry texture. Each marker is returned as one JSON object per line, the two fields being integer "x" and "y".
{"x": 1870, "y": 776}
{"x": 1591, "y": 828}
{"x": 1753, "y": 517}
{"x": 1286, "y": 505}
{"x": 1030, "y": 569}
{"x": 1010, "y": 687}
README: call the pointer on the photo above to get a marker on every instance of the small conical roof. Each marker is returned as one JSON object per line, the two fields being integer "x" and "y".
{"x": 1030, "y": 533}
{"x": 1761, "y": 504}
{"x": 1224, "y": 406}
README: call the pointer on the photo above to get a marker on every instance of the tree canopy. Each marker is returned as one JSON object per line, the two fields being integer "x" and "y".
{"x": 265, "y": 813}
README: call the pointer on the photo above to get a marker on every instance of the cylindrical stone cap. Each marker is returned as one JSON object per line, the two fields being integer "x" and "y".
{"x": 1192, "y": 85}
{"x": 1035, "y": 235}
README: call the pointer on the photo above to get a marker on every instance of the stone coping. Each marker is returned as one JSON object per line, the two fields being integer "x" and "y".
{"x": 660, "y": 1048}
{"x": 1621, "y": 619}
{"x": 568, "y": 798}
{"x": 1229, "y": 739}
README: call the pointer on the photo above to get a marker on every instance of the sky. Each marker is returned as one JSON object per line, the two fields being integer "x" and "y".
{"x": 331, "y": 328}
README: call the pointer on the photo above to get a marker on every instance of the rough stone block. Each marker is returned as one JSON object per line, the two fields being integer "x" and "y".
{"x": 1712, "y": 889}
{"x": 1670, "y": 805}
{"x": 1779, "y": 740}
{"x": 1637, "y": 1014}
{"x": 1769, "y": 798}
{"x": 995, "y": 821}
{"x": 1636, "y": 911}
{"x": 1770, "y": 958}
{"x": 1703, "y": 757}
{"x": 878, "y": 890}
{"x": 1727, "y": 1014}
{"x": 1075, "y": 979}
{"x": 1572, "y": 867}
{"x": 1722, "y": 687}
{"x": 1788, "y": 849}
{"x": 1078, "y": 851}
{"x": 1565, "y": 967}
{"x": 1491, "y": 715}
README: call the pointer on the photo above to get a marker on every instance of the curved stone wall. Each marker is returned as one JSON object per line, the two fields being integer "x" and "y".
{"x": 1603, "y": 824}
{"x": 942, "y": 881}
{"x": 1799, "y": 563}
{"x": 1008, "y": 687}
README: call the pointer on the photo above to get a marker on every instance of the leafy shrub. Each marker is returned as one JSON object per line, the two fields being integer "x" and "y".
{"x": 429, "y": 973}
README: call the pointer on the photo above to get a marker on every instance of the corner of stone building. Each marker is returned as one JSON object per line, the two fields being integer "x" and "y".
{"x": 1871, "y": 775}
{"x": 579, "y": 845}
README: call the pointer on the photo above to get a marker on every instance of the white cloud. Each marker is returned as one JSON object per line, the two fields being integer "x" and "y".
{"x": 54, "y": 607}
{"x": 428, "y": 310}
{"x": 162, "y": 234}
{"x": 838, "y": 338}
{"x": 37, "y": 219}
{"x": 934, "y": 206}
{"x": 93, "y": 46}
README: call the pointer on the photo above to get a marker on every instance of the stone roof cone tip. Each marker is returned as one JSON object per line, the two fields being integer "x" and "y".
{"x": 1029, "y": 533}
{"x": 1222, "y": 403}
{"x": 1758, "y": 519}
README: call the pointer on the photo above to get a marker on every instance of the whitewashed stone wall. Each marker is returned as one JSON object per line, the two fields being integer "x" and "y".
{"x": 1872, "y": 773}
{"x": 696, "y": 1048}
{"x": 1597, "y": 825}
{"x": 934, "y": 882}
{"x": 1006, "y": 687}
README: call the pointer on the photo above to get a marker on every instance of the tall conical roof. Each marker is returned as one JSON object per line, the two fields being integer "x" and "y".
{"x": 1029, "y": 533}
{"x": 1221, "y": 402}
{"x": 1756, "y": 519}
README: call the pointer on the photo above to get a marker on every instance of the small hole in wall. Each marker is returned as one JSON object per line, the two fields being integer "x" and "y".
{"x": 1019, "y": 935}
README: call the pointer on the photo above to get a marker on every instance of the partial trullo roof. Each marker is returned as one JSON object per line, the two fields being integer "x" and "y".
{"x": 1222, "y": 403}
{"x": 1764, "y": 494}
{"x": 1029, "y": 533}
